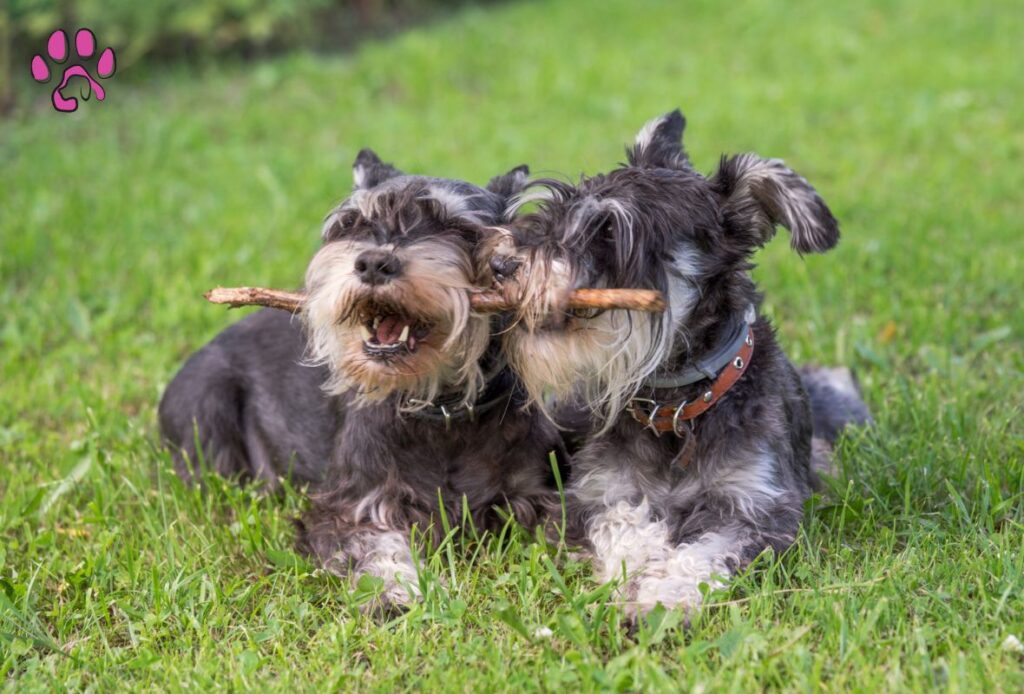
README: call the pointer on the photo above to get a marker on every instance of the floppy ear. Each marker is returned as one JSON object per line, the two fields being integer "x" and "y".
{"x": 368, "y": 170}
{"x": 511, "y": 183}
{"x": 659, "y": 144}
{"x": 762, "y": 193}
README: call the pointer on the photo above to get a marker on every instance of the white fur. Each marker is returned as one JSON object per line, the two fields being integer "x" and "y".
{"x": 359, "y": 176}
{"x": 369, "y": 202}
{"x": 455, "y": 205}
{"x": 623, "y": 530}
{"x": 797, "y": 203}
{"x": 517, "y": 202}
{"x": 605, "y": 359}
{"x": 625, "y": 538}
{"x": 629, "y": 544}
{"x": 435, "y": 283}
{"x": 674, "y": 578}
{"x": 646, "y": 134}
{"x": 384, "y": 554}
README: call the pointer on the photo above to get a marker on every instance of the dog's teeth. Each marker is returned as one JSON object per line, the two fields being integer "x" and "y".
{"x": 405, "y": 334}
{"x": 367, "y": 335}
{"x": 376, "y": 322}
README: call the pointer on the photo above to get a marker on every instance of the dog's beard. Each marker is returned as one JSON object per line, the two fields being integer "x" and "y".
{"x": 415, "y": 335}
{"x": 601, "y": 360}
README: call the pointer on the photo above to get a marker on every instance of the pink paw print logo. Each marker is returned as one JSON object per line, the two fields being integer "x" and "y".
{"x": 57, "y": 50}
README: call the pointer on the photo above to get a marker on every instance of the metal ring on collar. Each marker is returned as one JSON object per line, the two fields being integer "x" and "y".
{"x": 675, "y": 419}
{"x": 447, "y": 418}
{"x": 650, "y": 418}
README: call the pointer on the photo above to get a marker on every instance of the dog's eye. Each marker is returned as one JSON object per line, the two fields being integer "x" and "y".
{"x": 344, "y": 222}
{"x": 348, "y": 219}
{"x": 585, "y": 313}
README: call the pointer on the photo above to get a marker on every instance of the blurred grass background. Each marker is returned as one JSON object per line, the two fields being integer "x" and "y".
{"x": 199, "y": 31}
{"x": 203, "y": 171}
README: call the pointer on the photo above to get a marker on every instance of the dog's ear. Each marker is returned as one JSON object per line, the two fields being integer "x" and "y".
{"x": 759, "y": 194}
{"x": 511, "y": 183}
{"x": 369, "y": 171}
{"x": 659, "y": 144}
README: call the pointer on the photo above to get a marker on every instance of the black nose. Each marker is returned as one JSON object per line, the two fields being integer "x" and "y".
{"x": 504, "y": 267}
{"x": 377, "y": 267}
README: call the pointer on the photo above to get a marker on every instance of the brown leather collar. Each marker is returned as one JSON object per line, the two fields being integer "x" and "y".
{"x": 661, "y": 418}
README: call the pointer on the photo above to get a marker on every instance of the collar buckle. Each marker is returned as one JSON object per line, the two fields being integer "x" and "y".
{"x": 650, "y": 416}
{"x": 680, "y": 421}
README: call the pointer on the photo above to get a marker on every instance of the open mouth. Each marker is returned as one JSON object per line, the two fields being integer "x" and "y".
{"x": 389, "y": 331}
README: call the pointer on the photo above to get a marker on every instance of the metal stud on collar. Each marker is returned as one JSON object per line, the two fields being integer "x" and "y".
{"x": 708, "y": 395}
{"x": 738, "y": 362}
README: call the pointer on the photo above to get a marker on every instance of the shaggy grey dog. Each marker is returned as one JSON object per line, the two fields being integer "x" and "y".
{"x": 409, "y": 401}
{"x": 699, "y": 453}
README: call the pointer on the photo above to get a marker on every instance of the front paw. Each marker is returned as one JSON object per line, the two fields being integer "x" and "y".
{"x": 673, "y": 584}
{"x": 671, "y": 592}
{"x": 386, "y": 597}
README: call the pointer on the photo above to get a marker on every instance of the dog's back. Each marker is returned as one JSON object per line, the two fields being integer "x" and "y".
{"x": 254, "y": 409}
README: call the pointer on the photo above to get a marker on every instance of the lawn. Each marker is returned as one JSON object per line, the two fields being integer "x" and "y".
{"x": 909, "y": 571}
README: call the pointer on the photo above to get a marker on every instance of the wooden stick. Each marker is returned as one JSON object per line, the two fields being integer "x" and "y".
{"x": 235, "y": 297}
{"x": 486, "y": 302}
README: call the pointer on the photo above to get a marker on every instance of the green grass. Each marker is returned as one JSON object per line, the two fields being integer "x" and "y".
{"x": 908, "y": 573}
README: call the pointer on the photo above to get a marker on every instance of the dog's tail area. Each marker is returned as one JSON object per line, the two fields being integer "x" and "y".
{"x": 201, "y": 422}
{"x": 836, "y": 403}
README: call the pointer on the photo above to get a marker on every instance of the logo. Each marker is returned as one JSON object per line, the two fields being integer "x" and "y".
{"x": 57, "y": 50}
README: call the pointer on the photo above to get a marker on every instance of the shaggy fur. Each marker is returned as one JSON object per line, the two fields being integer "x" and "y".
{"x": 658, "y": 224}
{"x": 355, "y": 403}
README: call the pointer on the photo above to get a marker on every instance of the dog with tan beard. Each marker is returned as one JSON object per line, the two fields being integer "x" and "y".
{"x": 696, "y": 431}
{"x": 390, "y": 396}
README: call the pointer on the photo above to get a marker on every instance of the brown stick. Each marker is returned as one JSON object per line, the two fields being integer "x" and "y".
{"x": 486, "y": 302}
{"x": 235, "y": 297}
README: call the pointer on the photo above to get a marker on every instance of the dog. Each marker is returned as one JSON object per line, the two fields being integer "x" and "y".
{"x": 389, "y": 396}
{"x": 698, "y": 450}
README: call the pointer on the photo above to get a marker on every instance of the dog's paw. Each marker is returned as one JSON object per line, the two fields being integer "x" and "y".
{"x": 386, "y": 597}
{"x": 393, "y": 602}
{"x": 671, "y": 592}
{"x": 672, "y": 583}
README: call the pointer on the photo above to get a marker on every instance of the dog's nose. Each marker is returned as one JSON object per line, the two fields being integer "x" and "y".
{"x": 377, "y": 267}
{"x": 504, "y": 267}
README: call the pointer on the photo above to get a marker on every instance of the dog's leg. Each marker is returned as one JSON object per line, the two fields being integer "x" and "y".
{"x": 734, "y": 512}
{"x": 625, "y": 540}
{"x": 350, "y": 551}
{"x": 675, "y": 579}
{"x": 385, "y": 554}
{"x": 610, "y": 511}
{"x": 625, "y": 536}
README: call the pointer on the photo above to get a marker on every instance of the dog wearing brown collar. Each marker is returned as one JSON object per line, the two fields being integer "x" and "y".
{"x": 698, "y": 455}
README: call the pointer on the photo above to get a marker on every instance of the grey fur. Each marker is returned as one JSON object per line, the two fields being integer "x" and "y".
{"x": 257, "y": 410}
{"x": 658, "y": 224}
{"x": 836, "y": 400}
